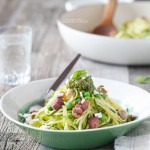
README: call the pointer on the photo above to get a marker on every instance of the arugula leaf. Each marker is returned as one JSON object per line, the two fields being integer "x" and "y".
{"x": 79, "y": 74}
{"x": 143, "y": 79}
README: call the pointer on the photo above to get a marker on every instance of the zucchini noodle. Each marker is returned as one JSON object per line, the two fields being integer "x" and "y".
{"x": 78, "y": 105}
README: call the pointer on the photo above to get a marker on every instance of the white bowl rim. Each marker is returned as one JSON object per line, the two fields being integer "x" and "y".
{"x": 95, "y": 35}
{"x": 69, "y": 131}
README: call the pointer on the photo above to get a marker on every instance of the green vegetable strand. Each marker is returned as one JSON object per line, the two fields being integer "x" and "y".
{"x": 96, "y": 106}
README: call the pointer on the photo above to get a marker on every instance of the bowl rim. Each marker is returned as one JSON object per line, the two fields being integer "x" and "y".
{"x": 2, "y": 99}
{"x": 63, "y": 13}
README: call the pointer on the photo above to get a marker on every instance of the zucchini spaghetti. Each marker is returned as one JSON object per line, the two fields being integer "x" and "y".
{"x": 78, "y": 105}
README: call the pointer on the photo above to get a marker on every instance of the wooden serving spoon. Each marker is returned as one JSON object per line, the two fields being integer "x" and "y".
{"x": 106, "y": 26}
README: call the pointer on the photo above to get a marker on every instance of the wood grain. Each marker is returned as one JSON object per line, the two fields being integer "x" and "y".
{"x": 17, "y": 141}
{"x": 50, "y": 55}
{"x": 136, "y": 71}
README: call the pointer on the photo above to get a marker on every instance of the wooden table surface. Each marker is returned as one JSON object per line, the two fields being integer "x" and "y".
{"x": 50, "y": 55}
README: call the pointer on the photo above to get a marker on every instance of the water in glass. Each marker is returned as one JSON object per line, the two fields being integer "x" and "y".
{"x": 15, "y": 65}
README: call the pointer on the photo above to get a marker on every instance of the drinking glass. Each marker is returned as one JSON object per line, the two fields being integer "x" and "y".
{"x": 15, "y": 54}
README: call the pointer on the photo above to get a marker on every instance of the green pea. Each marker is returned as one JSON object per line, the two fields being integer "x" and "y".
{"x": 77, "y": 100}
{"x": 104, "y": 117}
{"x": 86, "y": 94}
{"x": 69, "y": 105}
{"x": 49, "y": 108}
{"x": 98, "y": 96}
{"x": 69, "y": 115}
{"x": 87, "y": 98}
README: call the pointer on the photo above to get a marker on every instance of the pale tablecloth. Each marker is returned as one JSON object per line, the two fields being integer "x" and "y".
{"x": 138, "y": 139}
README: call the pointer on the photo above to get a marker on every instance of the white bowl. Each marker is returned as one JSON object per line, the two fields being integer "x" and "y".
{"x": 74, "y": 4}
{"x": 128, "y": 95}
{"x": 74, "y": 28}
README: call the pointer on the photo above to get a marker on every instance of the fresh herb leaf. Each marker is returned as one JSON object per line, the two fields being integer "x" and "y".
{"x": 79, "y": 74}
{"x": 143, "y": 79}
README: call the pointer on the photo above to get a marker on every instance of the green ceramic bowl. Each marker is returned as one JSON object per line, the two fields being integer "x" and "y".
{"x": 127, "y": 95}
